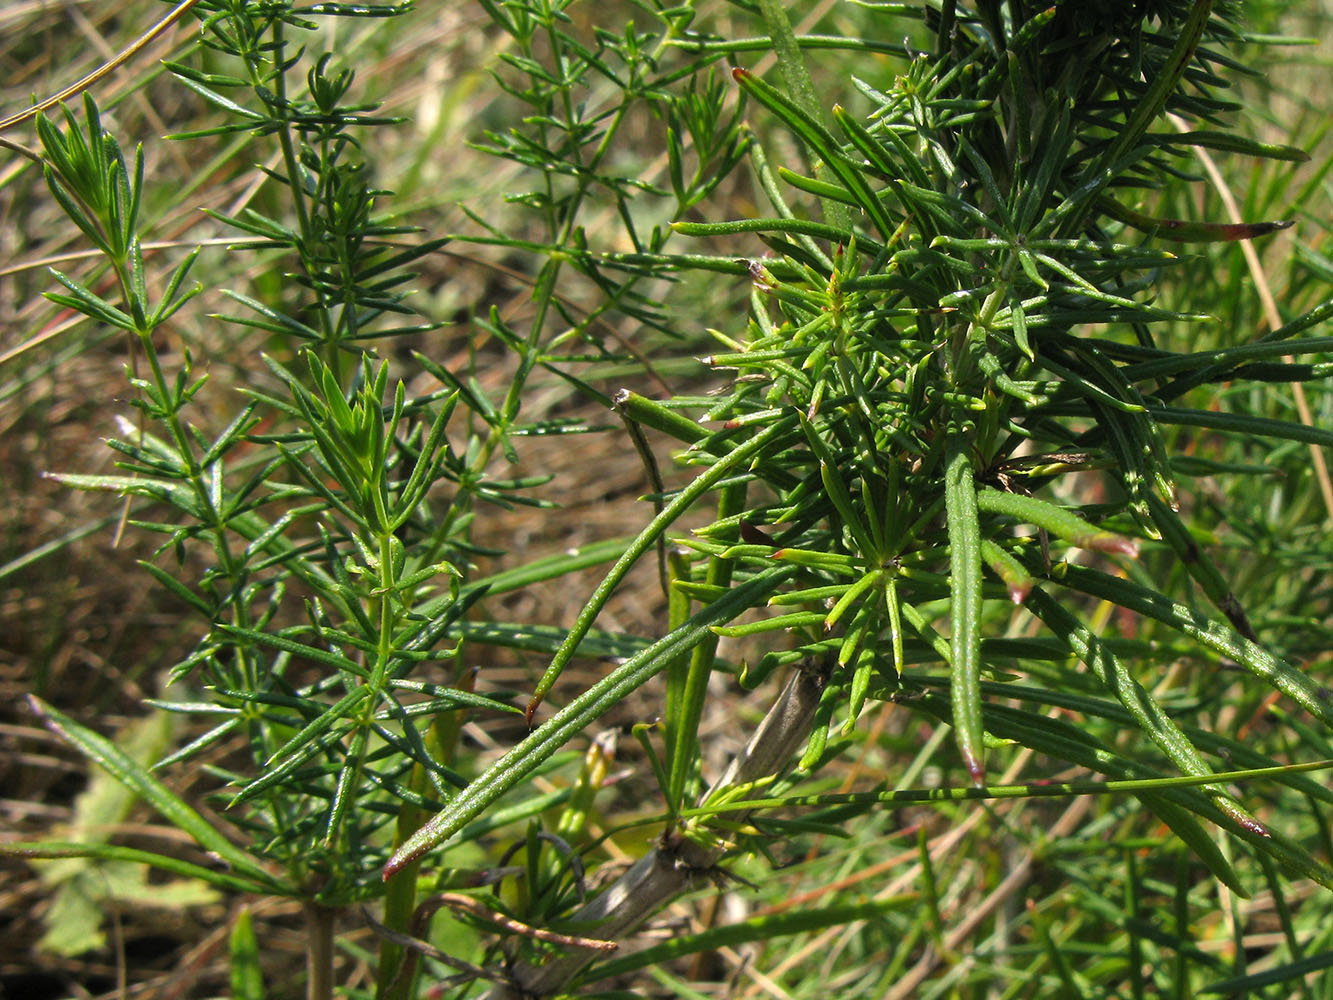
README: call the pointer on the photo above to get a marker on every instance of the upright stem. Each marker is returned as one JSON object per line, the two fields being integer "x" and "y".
{"x": 319, "y": 951}
{"x": 400, "y": 892}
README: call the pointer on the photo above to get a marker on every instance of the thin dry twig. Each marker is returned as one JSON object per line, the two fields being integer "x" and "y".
{"x": 469, "y": 904}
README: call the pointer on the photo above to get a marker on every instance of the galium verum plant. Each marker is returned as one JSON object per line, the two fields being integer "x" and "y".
{"x": 323, "y": 493}
{"x": 332, "y": 504}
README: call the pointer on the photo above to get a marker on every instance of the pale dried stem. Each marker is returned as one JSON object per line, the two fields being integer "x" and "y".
{"x": 673, "y": 867}
{"x": 1271, "y": 314}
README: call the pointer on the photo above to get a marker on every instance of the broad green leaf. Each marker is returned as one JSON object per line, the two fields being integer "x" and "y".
{"x": 83, "y": 885}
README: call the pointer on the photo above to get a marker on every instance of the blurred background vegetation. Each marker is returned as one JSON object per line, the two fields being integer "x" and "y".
{"x": 1039, "y": 898}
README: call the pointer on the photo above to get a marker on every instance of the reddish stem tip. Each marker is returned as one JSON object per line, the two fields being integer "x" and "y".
{"x": 1254, "y": 826}
{"x": 977, "y": 770}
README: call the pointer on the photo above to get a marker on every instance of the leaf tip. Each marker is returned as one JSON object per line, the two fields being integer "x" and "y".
{"x": 1251, "y": 824}
{"x": 1107, "y": 542}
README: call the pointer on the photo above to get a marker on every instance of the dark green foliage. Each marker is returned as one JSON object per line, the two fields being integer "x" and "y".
{"x": 964, "y": 368}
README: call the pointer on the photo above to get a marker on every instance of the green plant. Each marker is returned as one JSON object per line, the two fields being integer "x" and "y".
{"x": 960, "y": 371}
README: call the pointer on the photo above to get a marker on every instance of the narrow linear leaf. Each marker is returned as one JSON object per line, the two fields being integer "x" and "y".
{"x": 1057, "y": 520}
{"x": 765, "y": 928}
{"x": 1159, "y": 726}
{"x": 55, "y": 849}
{"x": 1292, "y": 682}
{"x": 1185, "y": 231}
{"x": 960, "y": 504}
{"x": 645, "y": 540}
{"x": 1245, "y": 985}
{"x": 312, "y": 738}
{"x": 1040, "y": 790}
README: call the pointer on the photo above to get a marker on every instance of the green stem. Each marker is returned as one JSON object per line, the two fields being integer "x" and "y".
{"x": 685, "y": 741}
{"x": 400, "y": 901}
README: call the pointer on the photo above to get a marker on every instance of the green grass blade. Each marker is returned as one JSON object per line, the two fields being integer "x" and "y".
{"x": 141, "y": 781}
{"x": 54, "y": 849}
{"x": 764, "y": 928}
{"x": 1242, "y": 986}
{"x": 247, "y": 978}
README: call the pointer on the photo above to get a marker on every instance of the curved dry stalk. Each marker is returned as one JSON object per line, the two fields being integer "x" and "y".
{"x": 108, "y": 67}
{"x": 1271, "y": 315}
